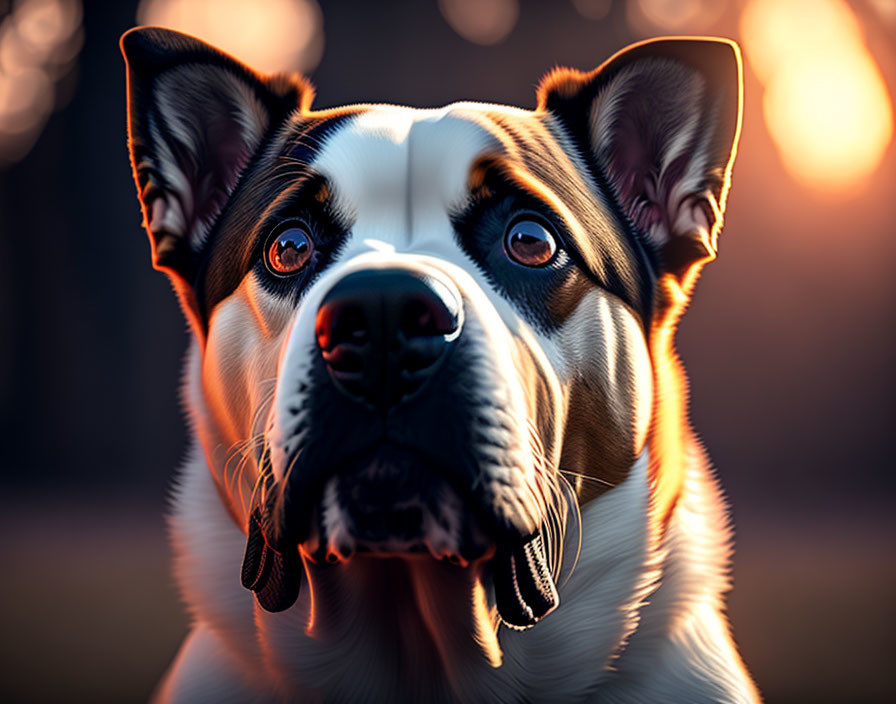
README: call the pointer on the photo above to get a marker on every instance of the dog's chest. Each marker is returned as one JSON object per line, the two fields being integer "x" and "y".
{"x": 374, "y": 639}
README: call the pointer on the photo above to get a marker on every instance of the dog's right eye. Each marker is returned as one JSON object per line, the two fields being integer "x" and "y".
{"x": 288, "y": 250}
{"x": 530, "y": 243}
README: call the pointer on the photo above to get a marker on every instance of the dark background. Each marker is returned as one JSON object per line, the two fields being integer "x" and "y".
{"x": 789, "y": 345}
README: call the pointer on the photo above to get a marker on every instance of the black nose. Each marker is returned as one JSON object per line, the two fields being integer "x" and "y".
{"x": 383, "y": 332}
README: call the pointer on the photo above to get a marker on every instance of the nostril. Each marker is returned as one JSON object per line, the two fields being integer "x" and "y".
{"x": 421, "y": 353}
{"x": 426, "y": 315}
{"x": 344, "y": 358}
{"x": 340, "y": 322}
{"x": 417, "y": 318}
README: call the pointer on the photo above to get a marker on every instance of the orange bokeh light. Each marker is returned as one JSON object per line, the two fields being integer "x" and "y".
{"x": 830, "y": 117}
{"x": 778, "y": 31}
{"x": 826, "y": 105}
{"x": 39, "y": 42}
{"x": 483, "y": 22}
{"x": 271, "y": 36}
{"x": 648, "y": 17}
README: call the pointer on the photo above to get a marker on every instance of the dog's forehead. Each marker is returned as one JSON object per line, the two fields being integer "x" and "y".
{"x": 395, "y": 168}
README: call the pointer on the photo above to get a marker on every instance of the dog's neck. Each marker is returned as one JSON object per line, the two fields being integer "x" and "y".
{"x": 383, "y": 626}
{"x": 421, "y": 628}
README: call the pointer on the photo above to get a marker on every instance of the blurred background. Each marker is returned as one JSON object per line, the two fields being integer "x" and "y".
{"x": 789, "y": 342}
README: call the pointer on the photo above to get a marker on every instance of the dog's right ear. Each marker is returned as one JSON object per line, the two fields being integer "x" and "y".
{"x": 196, "y": 118}
{"x": 659, "y": 123}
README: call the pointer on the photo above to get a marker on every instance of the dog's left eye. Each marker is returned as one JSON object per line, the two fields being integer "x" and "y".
{"x": 288, "y": 250}
{"x": 530, "y": 243}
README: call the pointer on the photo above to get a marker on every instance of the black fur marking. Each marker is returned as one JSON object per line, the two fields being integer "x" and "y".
{"x": 540, "y": 294}
{"x": 481, "y": 233}
{"x": 277, "y": 189}
{"x": 308, "y": 142}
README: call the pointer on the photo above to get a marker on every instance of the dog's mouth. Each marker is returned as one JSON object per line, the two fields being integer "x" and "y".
{"x": 393, "y": 502}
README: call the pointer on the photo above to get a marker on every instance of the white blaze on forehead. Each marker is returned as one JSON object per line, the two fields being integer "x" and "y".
{"x": 396, "y": 172}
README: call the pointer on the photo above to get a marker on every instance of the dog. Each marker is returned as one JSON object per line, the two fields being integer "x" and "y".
{"x": 441, "y": 449}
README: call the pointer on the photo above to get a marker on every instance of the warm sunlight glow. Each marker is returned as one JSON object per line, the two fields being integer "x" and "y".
{"x": 830, "y": 117}
{"x": 778, "y": 31}
{"x": 825, "y": 104}
{"x": 272, "y": 36}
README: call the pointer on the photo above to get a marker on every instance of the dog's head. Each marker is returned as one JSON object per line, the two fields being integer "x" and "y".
{"x": 429, "y": 333}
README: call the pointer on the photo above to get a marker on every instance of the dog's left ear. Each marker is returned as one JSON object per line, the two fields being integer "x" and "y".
{"x": 196, "y": 118}
{"x": 658, "y": 124}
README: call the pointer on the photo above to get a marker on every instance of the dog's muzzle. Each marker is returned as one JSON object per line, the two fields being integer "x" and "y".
{"x": 394, "y": 425}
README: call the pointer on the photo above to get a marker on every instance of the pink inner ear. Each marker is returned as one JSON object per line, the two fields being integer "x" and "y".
{"x": 166, "y": 215}
{"x": 692, "y": 218}
{"x": 629, "y": 165}
{"x": 637, "y": 185}
{"x": 661, "y": 199}
{"x": 655, "y": 136}
{"x": 225, "y": 156}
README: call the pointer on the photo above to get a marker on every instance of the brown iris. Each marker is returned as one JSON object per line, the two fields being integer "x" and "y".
{"x": 529, "y": 243}
{"x": 289, "y": 250}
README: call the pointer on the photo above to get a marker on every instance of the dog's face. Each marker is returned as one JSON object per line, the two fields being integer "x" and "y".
{"x": 428, "y": 333}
